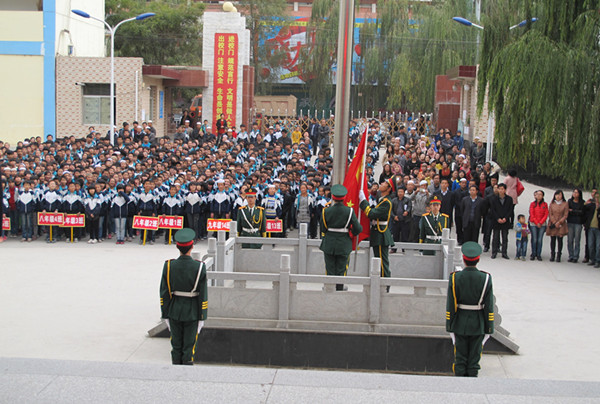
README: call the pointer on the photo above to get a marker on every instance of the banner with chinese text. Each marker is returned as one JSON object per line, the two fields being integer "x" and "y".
{"x": 50, "y": 219}
{"x": 145, "y": 222}
{"x": 217, "y": 224}
{"x": 170, "y": 222}
{"x": 6, "y": 223}
{"x": 74, "y": 221}
{"x": 274, "y": 226}
{"x": 225, "y": 78}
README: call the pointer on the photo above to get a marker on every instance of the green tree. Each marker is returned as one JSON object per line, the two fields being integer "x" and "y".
{"x": 543, "y": 85}
{"x": 172, "y": 37}
{"x": 261, "y": 15}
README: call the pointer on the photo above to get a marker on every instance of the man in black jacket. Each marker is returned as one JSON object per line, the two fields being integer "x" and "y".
{"x": 313, "y": 132}
{"x": 502, "y": 215}
{"x": 458, "y": 195}
{"x": 472, "y": 211}
{"x": 447, "y": 198}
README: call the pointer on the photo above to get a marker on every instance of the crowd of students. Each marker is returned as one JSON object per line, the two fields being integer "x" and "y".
{"x": 199, "y": 174}
{"x": 195, "y": 174}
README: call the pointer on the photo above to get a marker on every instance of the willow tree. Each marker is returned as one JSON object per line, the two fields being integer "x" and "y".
{"x": 263, "y": 18}
{"x": 318, "y": 58}
{"x": 543, "y": 87}
{"x": 429, "y": 48}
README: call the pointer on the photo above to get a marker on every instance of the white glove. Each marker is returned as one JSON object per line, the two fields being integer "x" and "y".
{"x": 361, "y": 196}
{"x": 168, "y": 324}
{"x": 487, "y": 336}
{"x": 453, "y": 338}
{"x": 200, "y": 325}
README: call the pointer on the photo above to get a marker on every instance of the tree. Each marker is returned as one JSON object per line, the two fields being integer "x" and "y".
{"x": 261, "y": 15}
{"x": 172, "y": 37}
{"x": 398, "y": 61}
{"x": 543, "y": 85}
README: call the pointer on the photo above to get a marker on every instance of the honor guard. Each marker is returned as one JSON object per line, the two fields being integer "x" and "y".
{"x": 431, "y": 225}
{"x": 381, "y": 236}
{"x": 251, "y": 220}
{"x": 469, "y": 311}
{"x": 337, "y": 221}
{"x": 183, "y": 299}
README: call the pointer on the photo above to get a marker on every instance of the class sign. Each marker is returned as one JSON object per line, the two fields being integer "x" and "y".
{"x": 145, "y": 222}
{"x": 218, "y": 224}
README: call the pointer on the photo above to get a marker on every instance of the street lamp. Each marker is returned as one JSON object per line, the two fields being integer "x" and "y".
{"x": 491, "y": 123}
{"x": 468, "y": 23}
{"x": 112, "y": 31}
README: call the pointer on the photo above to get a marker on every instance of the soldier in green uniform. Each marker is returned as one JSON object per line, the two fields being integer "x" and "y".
{"x": 380, "y": 238}
{"x": 337, "y": 220}
{"x": 183, "y": 298}
{"x": 431, "y": 225}
{"x": 469, "y": 311}
{"x": 251, "y": 220}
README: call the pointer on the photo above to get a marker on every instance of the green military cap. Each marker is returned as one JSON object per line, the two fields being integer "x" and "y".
{"x": 185, "y": 237}
{"x": 338, "y": 191}
{"x": 471, "y": 250}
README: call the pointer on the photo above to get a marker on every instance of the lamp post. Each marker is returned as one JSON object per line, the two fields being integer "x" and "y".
{"x": 491, "y": 120}
{"x": 112, "y": 31}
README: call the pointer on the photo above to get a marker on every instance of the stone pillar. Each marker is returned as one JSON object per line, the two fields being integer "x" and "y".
{"x": 223, "y": 22}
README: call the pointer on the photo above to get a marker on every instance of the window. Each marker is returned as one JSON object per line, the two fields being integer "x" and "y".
{"x": 152, "y": 108}
{"x": 96, "y": 104}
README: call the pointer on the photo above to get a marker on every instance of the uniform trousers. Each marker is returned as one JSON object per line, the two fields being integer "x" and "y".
{"x": 467, "y": 352}
{"x": 383, "y": 253}
{"x": 184, "y": 335}
{"x": 337, "y": 265}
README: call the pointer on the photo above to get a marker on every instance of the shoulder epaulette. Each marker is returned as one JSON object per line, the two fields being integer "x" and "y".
{"x": 443, "y": 214}
{"x": 243, "y": 207}
{"x": 425, "y": 214}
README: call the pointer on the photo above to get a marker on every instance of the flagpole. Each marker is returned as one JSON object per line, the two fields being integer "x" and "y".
{"x": 362, "y": 181}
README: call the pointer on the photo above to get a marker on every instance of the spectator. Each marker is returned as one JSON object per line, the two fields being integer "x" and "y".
{"x": 538, "y": 214}
{"x": 522, "y": 234}
{"x": 558, "y": 213}
{"x": 401, "y": 212}
{"x": 472, "y": 212}
{"x": 593, "y": 206}
{"x": 502, "y": 214}
{"x": 588, "y": 212}
{"x": 574, "y": 223}
{"x": 512, "y": 186}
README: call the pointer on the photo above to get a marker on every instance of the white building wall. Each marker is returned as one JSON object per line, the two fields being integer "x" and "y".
{"x": 86, "y": 36}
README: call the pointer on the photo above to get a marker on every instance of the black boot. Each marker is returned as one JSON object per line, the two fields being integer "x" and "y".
{"x": 558, "y": 257}
{"x": 552, "y": 256}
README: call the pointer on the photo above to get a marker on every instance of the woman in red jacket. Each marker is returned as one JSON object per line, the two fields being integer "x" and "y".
{"x": 538, "y": 214}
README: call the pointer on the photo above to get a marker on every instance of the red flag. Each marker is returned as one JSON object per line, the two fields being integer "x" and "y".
{"x": 355, "y": 181}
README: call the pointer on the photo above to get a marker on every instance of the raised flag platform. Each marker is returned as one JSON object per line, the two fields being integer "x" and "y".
{"x": 278, "y": 308}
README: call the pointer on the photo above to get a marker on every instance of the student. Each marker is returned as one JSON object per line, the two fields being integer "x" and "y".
{"x": 192, "y": 207}
{"x": 26, "y": 206}
{"x": 172, "y": 205}
{"x": 72, "y": 204}
{"x": 93, "y": 208}
{"x": 119, "y": 211}
{"x": 147, "y": 206}
{"x": 522, "y": 235}
{"x": 51, "y": 202}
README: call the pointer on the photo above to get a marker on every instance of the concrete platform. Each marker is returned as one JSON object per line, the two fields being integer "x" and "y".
{"x": 96, "y": 302}
{"x": 28, "y": 380}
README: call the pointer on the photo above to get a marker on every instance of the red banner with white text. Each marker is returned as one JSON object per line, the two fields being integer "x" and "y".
{"x": 225, "y": 78}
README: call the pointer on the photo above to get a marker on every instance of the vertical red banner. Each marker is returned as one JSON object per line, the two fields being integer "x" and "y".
{"x": 225, "y": 78}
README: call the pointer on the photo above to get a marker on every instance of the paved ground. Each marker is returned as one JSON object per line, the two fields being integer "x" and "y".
{"x": 95, "y": 303}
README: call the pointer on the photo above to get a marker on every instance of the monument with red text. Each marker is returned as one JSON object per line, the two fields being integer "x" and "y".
{"x": 226, "y": 57}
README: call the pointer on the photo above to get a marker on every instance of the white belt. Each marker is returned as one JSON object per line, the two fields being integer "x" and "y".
{"x": 374, "y": 223}
{"x": 338, "y": 230}
{"x": 248, "y": 230}
{"x": 186, "y": 294}
{"x": 434, "y": 237}
{"x": 472, "y": 307}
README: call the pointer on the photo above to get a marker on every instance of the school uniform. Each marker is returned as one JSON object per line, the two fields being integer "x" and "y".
{"x": 51, "y": 202}
{"x": 72, "y": 204}
{"x": 148, "y": 206}
{"x": 93, "y": 209}
{"x": 192, "y": 207}
{"x": 119, "y": 213}
{"x": 26, "y": 206}
{"x": 172, "y": 205}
